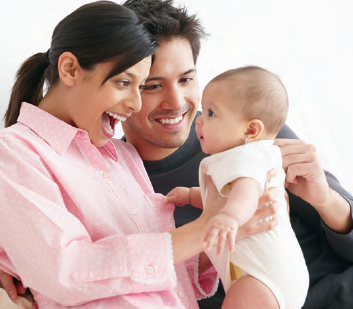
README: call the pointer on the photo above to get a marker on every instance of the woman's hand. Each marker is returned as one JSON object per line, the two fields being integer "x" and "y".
{"x": 259, "y": 223}
{"x": 12, "y": 289}
{"x": 19, "y": 303}
{"x": 264, "y": 218}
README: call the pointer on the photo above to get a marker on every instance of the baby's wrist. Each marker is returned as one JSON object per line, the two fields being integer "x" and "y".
{"x": 226, "y": 212}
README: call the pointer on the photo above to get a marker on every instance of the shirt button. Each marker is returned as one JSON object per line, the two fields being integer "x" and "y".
{"x": 150, "y": 269}
{"x": 180, "y": 293}
{"x": 106, "y": 174}
{"x": 133, "y": 211}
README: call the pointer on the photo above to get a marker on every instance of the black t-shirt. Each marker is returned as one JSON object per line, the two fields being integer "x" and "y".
{"x": 331, "y": 275}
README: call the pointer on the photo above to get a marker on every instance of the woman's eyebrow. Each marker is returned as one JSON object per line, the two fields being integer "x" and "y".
{"x": 130, "y": 74}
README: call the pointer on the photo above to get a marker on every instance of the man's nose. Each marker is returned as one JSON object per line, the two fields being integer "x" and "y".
{"x": 172, "y": 98}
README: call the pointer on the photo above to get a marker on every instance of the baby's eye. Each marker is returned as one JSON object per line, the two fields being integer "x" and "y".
{"x": 210, "y": 113}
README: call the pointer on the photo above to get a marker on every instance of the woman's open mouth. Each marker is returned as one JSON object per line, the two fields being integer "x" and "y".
{"x": 109, "y": 121}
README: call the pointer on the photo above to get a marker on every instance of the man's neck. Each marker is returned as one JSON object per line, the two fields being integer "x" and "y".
{"x": 150, "y": 152}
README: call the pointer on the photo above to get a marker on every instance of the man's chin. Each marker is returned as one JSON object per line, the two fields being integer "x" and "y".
{"x": 159, "y": 138}
{"x": 168, "y": 143}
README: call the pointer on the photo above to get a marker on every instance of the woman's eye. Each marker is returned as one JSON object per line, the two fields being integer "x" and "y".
{"x": 142, "y": 88}
{"x": 152, "y": 87}
{"x": 123, "y": 84}
{"x": 210, "y": 113}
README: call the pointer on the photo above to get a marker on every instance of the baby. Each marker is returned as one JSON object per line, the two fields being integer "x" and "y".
{"x": 243, "y": 110}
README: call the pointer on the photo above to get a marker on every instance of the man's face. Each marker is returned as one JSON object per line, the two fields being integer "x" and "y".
{"x": 169, "y": 101}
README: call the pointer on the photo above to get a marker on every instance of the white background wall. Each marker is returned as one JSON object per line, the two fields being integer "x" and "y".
{"x": 308, "y": 43}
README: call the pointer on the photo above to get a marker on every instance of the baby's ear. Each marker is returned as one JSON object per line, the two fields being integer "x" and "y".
{"x": 254, "y": 129}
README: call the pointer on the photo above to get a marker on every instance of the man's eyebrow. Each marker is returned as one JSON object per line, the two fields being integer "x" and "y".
{"x": 188, "y": 72}
{"x": 163, "y": 78}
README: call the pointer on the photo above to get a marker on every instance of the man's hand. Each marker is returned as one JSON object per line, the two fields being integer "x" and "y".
{"x": 180, "y": 196}
{"x": 305, "y": 175}
{"x": 306, "y": 179}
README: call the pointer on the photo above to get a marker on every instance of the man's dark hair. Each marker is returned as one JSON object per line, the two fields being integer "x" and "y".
{"x": 165, "y": 22}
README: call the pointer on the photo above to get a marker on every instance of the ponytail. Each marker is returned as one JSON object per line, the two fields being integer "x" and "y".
{"x": 28, "y": 86}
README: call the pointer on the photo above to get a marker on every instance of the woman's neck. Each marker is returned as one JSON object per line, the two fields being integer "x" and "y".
{"x": 55, "y": 103}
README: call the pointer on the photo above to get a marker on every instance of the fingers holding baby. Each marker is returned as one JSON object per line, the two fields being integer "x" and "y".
{"x": 222, "y": 228}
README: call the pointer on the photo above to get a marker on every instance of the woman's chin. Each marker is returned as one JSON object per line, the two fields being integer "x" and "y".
{"x": 100, "y": 141}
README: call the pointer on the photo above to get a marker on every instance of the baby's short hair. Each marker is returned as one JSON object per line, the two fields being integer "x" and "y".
{"x": 259, "y": 94}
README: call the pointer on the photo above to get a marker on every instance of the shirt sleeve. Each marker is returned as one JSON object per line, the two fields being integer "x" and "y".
{"x": 52, "y": 252}
{"x": 205, "y": 285}
{"x": 342, "y": 244}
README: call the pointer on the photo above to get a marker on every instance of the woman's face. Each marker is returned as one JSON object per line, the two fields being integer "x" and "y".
{"x": 96, "y": 107}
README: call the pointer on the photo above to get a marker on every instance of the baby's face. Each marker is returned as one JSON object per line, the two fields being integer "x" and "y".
{"x": 220, "y": 126}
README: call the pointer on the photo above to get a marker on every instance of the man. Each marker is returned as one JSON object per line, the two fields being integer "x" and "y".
{"x": 163, "y": 133}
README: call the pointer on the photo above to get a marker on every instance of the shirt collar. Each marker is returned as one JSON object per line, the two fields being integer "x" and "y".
{"x": 57, "y": 133}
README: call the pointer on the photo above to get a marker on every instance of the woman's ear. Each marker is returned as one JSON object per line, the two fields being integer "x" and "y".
{"x": 68, "y": 67}
{"x": 255, "y": 127}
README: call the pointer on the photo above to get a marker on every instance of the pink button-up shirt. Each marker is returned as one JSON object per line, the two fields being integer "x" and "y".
{"x": 82, "y": 226}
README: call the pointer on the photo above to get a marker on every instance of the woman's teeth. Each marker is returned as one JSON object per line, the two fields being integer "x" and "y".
{"x": 121, "y": 118}
{"x": 171, "y": 121}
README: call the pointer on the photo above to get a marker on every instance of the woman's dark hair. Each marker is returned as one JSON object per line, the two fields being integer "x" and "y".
{"x": 96, "y": 32}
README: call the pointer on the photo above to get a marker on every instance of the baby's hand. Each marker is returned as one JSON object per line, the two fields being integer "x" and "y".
{"x": 180, "y": 196}
{"x": 221, "y": 229}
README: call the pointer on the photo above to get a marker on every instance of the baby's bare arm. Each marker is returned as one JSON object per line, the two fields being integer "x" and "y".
{"x": 242, "y": 200}
{"x": 181, "y": 196}
{"x": 239, "y": 208}
{"x": 195, "y": 197}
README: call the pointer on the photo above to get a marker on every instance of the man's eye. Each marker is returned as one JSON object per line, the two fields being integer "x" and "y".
{"x": 142, "y": 88}
{"x": 186, "y": 80}
{"x": 152, "y": 87}
{"x": 210, "y": 113}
